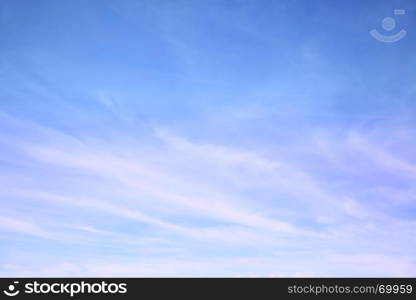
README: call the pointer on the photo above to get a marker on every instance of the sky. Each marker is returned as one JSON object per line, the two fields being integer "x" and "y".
{"x": 186, "y": 138}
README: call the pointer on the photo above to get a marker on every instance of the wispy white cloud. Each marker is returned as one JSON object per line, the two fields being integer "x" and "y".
{"x": 22, "y": 227}
{"x": 197, "y": 191}
{"x": 330, "y": 266}
{"x": 177, "y": 143}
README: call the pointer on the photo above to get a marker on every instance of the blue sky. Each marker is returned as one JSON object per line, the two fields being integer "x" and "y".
{"x": 207, "y": 138}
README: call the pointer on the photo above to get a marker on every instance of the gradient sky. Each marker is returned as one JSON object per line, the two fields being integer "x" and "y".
{"x": 207, "y": 138}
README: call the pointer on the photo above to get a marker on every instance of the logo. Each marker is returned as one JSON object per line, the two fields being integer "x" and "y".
{"x": 68, "y": 288}
{"x": 388, "y": 24}
{"x": 11, "y": 291}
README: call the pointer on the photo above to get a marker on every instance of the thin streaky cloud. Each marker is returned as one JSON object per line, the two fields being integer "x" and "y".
{"x": 206, "y": 139}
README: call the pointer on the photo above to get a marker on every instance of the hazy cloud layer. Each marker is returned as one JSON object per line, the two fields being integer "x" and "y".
{"x": 239, "y": 138}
